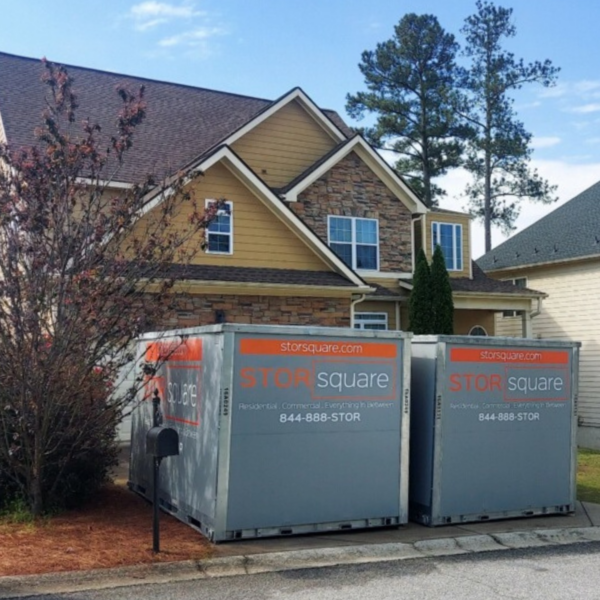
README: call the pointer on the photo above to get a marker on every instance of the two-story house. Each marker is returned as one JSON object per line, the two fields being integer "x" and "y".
{"x": 319, "y": 229}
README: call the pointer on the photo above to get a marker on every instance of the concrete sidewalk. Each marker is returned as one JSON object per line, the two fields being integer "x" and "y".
{"x": 411, "y": 541}
{"x": 324, "y": 550}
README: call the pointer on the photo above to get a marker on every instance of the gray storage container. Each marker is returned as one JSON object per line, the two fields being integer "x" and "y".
{"x": 493, "y": 428}
{"x": 283, "y": 430}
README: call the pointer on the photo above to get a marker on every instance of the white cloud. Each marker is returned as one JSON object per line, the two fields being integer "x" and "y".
{"x": 545, "y": 142}
{"x": 586, "y": 108}
{"x": 571, "y": 180}
{"x": 587, "y": 85}
{"x": 194, "y": 38}
{"x": 556, "y": 91}
{"x": 148, "y": 15}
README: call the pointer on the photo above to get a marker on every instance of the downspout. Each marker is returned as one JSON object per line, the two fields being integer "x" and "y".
{"x": 360, "y": 299}
{"x": 538, "y": 310}
{"x": 526, "y": 325}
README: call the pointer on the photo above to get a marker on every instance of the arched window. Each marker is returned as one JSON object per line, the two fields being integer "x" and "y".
{"x": 478, "y": 330}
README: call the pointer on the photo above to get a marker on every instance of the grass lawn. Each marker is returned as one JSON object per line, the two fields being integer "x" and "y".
{"x": 588, "y": 475}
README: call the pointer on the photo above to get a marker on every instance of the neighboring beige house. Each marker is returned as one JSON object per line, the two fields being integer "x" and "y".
{"x": 560, "y": 255}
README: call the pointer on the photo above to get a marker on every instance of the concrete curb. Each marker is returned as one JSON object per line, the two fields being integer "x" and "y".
{"x": 77, "y": 581}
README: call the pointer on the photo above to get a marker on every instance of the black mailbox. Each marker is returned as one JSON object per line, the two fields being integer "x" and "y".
{"x": 162, "y": 441}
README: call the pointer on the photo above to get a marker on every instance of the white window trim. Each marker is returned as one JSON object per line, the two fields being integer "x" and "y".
{"x": 353, "y": 242}
{"x": 228, "y": 203}
{"x": 479, "y": 327}
{"x": 371, "y": 321}
{"x": 455, "y": 246}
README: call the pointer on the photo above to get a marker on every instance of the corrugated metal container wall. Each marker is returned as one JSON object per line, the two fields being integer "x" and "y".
{"x": 493, "y": 428}
{"x": 283, "y": 430}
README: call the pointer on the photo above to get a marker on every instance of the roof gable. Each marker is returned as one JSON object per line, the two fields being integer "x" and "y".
{"x": 227, "y": 157}
{"x": 371, "y": 158}
{"x": 297, "y": 95}
{"x": 570, "y": 232}
{"x": 285, "y": 144}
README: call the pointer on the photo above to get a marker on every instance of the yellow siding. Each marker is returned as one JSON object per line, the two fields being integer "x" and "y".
{"x": 284, "y": 145}
{"x": 375, "y": 306}
{"x": 464, "y": 220}
{"x": 260, "y": 239}
{"x": 465, "y": 320}
{"x": 571, "y": 313}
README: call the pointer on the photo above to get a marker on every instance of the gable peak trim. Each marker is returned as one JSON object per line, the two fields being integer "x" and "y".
{"x": 373, "y": 160}
{"x": 294, "y": 94}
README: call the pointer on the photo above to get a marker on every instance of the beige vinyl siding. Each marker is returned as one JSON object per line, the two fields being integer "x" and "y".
{"x": 570, "y": 313}
{"x": 284, "y": 145}
{"x": 509, "y": 326}
{"x": 464, "y": 220}
{"x": 260, "y": 239}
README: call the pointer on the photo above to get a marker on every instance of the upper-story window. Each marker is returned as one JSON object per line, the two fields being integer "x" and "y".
{"x": 355, "y": 241}
{"x": 219, "y": 234}
{"x": 449, "y": 237}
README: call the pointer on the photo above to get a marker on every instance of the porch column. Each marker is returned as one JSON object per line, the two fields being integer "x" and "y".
{"x": 526, "y": 327}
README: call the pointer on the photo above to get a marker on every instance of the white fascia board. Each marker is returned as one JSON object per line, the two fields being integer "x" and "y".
{"x": 309, "y": 105}
{"x": 2, "y": 131}
{"x": 375, "y": 162}
{"x": 384, "y": 275}
{"x": 117, "y": 185}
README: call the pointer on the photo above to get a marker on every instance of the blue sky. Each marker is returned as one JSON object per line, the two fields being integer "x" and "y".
{"x": 266, "y": 47}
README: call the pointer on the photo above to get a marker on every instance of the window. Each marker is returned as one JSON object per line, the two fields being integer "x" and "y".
{"x": 478, "y": 330}
{"x": 449, "y": 237}
{"x": 219, "y": 234}
{"x": 520, "y": 282}
{"x": 355, "y": 241}
{"x": 370, "y": 321}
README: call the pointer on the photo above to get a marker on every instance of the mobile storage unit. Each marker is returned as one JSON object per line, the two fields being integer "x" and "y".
{"x": 493, "y": 428}
{"x": 283, "y": 430}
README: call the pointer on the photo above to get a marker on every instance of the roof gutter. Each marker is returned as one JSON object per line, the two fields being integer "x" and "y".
{"x": 542, "y": 264}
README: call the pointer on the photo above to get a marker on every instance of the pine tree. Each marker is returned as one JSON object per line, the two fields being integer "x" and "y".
{"x": 499, "y": 152}
{"x": 420, "y": 305}
{"x": 441, "y": 295}
{"x": 412, "y": 89}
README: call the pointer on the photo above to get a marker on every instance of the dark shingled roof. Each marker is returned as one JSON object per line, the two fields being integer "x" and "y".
{"x": 183, "y": 122}
{"x": 383, "y": 292}
{"x": 482, "y": 283}
{"x": 256, "y": 275}
{"x": 571, "y": 231}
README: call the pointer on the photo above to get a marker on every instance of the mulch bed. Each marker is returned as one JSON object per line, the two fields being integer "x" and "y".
{"x": 113, "y": 530}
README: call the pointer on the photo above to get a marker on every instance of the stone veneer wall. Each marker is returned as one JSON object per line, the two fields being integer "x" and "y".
{"x": 267, "y": 310}
{"x": 351, "y": 189}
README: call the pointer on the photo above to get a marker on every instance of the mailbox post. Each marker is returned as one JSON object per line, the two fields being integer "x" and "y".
{"x": 160, "y": 443}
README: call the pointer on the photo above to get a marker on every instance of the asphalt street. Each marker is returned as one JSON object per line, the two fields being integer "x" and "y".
{"x": 559, "y": 572}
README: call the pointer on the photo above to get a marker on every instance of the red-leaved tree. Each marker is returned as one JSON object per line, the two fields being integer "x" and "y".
{"x": 82, "y": 273}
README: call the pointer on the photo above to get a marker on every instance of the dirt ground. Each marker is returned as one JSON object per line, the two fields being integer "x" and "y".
{"x": 114, "y": 530}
